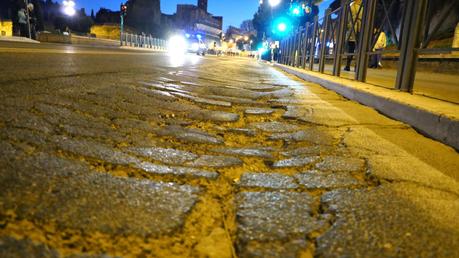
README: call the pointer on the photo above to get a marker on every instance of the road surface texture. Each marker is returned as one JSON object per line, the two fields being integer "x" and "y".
{"x": 109, "y": 153}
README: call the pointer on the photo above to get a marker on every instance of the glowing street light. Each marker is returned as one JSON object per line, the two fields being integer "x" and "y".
{"x": 282, "y": 27}
{"x": 69, "y": 7}
{"x": 274, "y": 2}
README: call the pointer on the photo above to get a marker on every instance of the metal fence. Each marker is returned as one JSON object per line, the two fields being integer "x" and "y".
{"x": 348, "y": 35}
{"x": 142, "y": 41}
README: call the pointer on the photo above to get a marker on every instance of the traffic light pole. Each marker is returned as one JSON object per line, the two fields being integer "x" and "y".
{"x": 121, "y": 29}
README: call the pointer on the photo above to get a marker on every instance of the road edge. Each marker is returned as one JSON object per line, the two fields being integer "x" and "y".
{"x": 439, "y": 126}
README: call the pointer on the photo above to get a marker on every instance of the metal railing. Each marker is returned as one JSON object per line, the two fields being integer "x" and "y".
{"x": 142, "y": 41}
{"x": 350, "y": 33}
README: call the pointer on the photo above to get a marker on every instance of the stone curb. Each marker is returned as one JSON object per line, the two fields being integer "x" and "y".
{"x": 18, "y": 39}
{"x": 441, "y": 127}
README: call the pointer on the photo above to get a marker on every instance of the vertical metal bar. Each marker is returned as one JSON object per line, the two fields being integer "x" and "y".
{"x": 313, "y": 44}
{"x": 289, "y": 46}
{"x": 412, "y": 38}
{"x": 340, "y": 38}
{"x": 282, "y": 55}
{"x": 292, "y": 49}
{"x": 366, "y": 38}
{"x": 298, "y": 47}
{"x": 287, "y": 41}
{"x": 323, "y": 43}
{"x": 286, "y": 50}
{"x": 294, "y": 46}
{"x": 305, "y": 47}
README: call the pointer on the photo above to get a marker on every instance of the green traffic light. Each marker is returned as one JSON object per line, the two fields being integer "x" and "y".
{"x": 282, "y": 27}
{"x": 296, "y": 10}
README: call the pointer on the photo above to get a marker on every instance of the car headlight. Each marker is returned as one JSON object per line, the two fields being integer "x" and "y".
{"x": 177, "y": 45}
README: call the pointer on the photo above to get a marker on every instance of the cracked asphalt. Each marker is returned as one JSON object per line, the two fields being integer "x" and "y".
{"x": 117, "y": 153}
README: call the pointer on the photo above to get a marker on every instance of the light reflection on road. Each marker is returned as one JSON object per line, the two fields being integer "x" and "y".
{"x": 178, "y": 60}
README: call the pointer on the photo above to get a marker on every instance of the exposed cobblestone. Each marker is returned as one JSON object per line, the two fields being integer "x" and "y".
{"x": 249, "y": 152}
{"x": 216, "y": 161}
{"x": 275, "y": 127}
{"x": 267, "y": 180}
{"x": 189, "y": 135}
{"x": 168, "y": 156}
{"x": 130, "y": 154}
{"x": 258, "y": 111}
{"x": 295, "y": 162}
{"x": 44, "y": 188}
{"x": 318, "y": 179}
{"x": 265, "y": 216}
{"x": 336, "y": 163}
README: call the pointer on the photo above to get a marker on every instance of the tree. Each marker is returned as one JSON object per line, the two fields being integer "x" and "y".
{"x": 263, "y": 18}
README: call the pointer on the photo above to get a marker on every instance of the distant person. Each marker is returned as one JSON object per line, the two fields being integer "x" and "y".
{"x": 353, "y": 30}
{"x": 33, "y": 21}
{"x": 22, "y": 20}
{"x": 380, "y": 45}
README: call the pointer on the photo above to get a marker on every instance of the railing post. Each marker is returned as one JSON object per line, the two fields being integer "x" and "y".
{"x": 366, "y": 37}
{"x": 299, "y": 47}
{"x": 296, "y": 49}
{"x": 305, "y": 47}
{"x": 281, "y": 52}
{"x": 313, "y": 44}
{"x": 299, "y": 57}
{"x": 292, "y": 49}
{"x": 289, "y": 45}
{"x": 341, "y": 35}
{"x": 411, "y": 32}
{"x": 323, "y": 43}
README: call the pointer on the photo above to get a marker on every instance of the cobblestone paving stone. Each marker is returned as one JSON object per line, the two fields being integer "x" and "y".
{"x": 228, "y": 158}
{"x": 258, "y": 111}
{"x": 295, "y": 162}
{"x": 268, "y": 180}
{"x": 168, "y": 156}
{"x": 335, "y": 163}
{"x": 271, "y": 216}
{"x": 320, "y": 180}
{"x": 246, "y": 152}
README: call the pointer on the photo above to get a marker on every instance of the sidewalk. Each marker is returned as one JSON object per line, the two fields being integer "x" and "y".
{"x": 18, "y": 39}
{"x": 435, "y": 118}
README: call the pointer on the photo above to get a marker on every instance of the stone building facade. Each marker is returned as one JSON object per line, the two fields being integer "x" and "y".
{"x": 196, "y": 20}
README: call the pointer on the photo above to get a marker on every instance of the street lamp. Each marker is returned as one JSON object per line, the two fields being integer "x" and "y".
{"x": 274, "y": 2}
{"x": 69, "y": 7}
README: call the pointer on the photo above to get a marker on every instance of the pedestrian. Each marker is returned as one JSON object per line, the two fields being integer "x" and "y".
{"x": 32, "y": 20}
{"x": 353, "y": 30}
{"x": 22, "y": 20}
{"x": 380, "y": 45}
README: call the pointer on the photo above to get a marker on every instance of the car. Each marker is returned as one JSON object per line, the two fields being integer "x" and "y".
{"x": 196, "y": 45}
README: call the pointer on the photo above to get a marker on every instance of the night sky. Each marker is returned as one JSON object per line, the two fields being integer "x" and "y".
{"x": 233, "y": 11}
